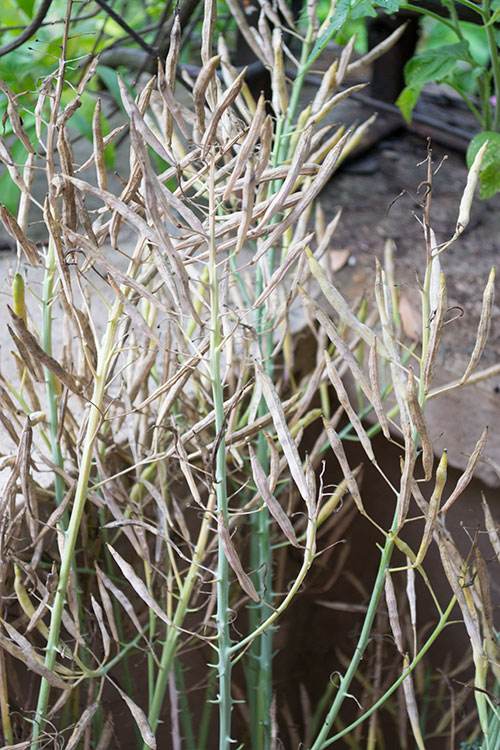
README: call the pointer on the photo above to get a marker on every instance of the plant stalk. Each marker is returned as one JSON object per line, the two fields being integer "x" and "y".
{"x": 94, "y": 420}
{"x": 220, "y": 482}
{"x": 50, "y": 383}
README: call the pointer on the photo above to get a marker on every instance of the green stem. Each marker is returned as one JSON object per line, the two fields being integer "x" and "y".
{"x": 170, "y": 645}
{"x": 220, "y": 481}
{"x": 52, "y": 398}
{"x": 207, "y": 713}
{"x": 443, "y": 621}
{"x": 259, "y": 666}
{"x": 495, "y": 64}
{"x": 186, "y": 715}
{"x": 363, "y": 641}
{"x": 306, "y": 564}
{"x": 430, "y": 14}
{"x": 477, "y": 114}
{"x": 94, "y": 421}
{"x": 296, "y": 90}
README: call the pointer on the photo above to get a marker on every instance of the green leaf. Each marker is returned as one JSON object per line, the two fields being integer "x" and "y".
{"x": 489, "y": 175}
{"x": 390, "y": 6}
{"x": 434, "y": 64}
{"x": 492, "y": 154}
{"x": 336, "y": 22}
{"x": 489, "y": 181}
{"x": 110, "y": 79}
{"x": 406, "y": 101}
{"x": 364, "y": 9}
{"x": 9, "y": 192}
{"x": 11, "y": 16}
{"x": 26, "y": 6}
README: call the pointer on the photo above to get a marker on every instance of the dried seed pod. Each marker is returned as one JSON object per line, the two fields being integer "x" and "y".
{"x": 470, "y": 187}
{"x": 284, "y": 435}
{"x": 234, "y": 561}
{"x": 136, "y": 113}
{"x": 484, "y": 326}
{"x": 411, "y": 705}
{"x": 452, "y": 564}
{"x": 223, "y": 104}
{"x": 67, "y": 189}
{"x": 107, "y": 139}
{"x": 245, "y": 103}
{"x": 491, "y": 527}
{"x": 29, "y": 248}
{"x": 199, "y": 90}
{"x": 251, "y": 39}
{"x": 38, "y": 353}
{"x": 26, "y": 603}
{"x": 436, "y": 331}
{"x": 336, "y": 339}
{"x": 15, "y": 118}
{"x": 85, "y": 718}
{"x": 20, "y": 648}
{"x": 406, "y": 478}
{"x": 376, "y": 399}
{"x": 350, "y": 479}
{"x": 19, "y": 298}
{"x": 293, "y": 171}
{"x": 266, "y": 38}
{"x": 327, "y": 83}
{"x": 266, "y": 145}
{"x": 247, "y": 147}
{"x": 106, "y": 640}
{"x": 174, "y": 50}
{"x": 208, "y": 29}
{"x": 377, "y": 51}
{"x": 383, "y": 299}
{"x": 98, "y": 142}
{"x": 345, "y": 57}
{"x": 335, "y": 100}
{"x": 341, "y": 307}
{"x": 319, "y": 147}
{"x": 139, "y": 586}
{"x": 466, "y": 477}
{"x": 272, "y": 504}
{"x": 418, "y": 419}
{"x": 392, "y": 609}
{"x": 484, "y": 589}
{"x": 12, "y": 167}
{"x": 279, "y": 87}
{"x": 433, "y": 509}
{"x": 294, "y": 251}
{"x": 357, "y": 136}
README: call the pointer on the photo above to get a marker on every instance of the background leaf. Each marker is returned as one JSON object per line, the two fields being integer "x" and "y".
{"x": 434, "y": 64}
{"x": 490, "y": 171}
{"x": 407, "y": 100}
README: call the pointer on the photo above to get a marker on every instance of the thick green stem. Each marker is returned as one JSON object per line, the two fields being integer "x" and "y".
{"x": 295, "y": 93}
{"x": 259, "y": 666}
{"x": 50, "y": 384}
{"x": 94, "y": 421}
{"x": 220, "y": 481}
{"x": 309, "y": 553}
